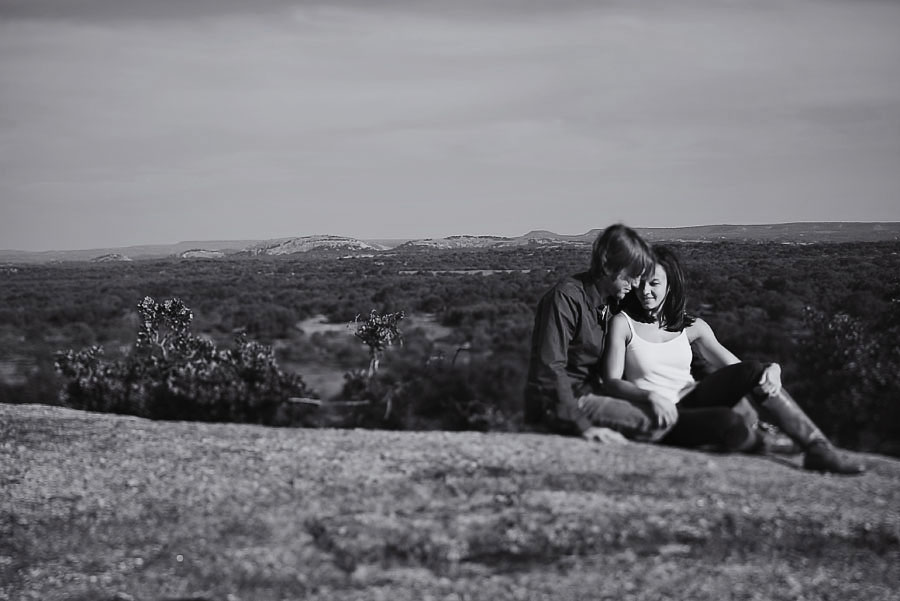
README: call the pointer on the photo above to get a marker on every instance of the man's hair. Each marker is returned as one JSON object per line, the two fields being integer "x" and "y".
{"x": 619, "y": 248}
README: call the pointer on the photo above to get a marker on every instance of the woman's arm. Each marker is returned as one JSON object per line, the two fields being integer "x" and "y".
{"x": 701, "y": 335}
{"x": 612, "y": 364}
{"x": 702, "y": 338}
{"x": 612, "y": 370}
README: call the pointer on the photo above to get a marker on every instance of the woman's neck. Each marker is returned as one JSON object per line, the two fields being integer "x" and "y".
{"x": 638, "y": 313}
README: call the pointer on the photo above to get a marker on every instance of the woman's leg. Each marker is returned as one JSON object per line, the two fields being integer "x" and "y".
{"x": 706, "y": 417}
{"x": 783, "y": 411}
{"x": 718, "y": 426}
{"x": 725, "y": 387}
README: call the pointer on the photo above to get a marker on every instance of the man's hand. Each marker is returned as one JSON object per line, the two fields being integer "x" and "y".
{"x": 770, "y": 382}
{"x": 604, "y": 435}
{"x": 664, "y": 410}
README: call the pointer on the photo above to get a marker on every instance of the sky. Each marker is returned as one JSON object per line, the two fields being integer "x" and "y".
{"x": 127, "y": 122}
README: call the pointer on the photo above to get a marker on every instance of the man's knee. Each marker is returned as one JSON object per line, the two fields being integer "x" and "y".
{"x": 620, "y": 415}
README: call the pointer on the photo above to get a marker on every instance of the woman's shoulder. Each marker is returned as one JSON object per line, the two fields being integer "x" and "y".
{"x": 619, "y": 326}
{"x": 620, "y": 317}
{"x": 697, "y": 329}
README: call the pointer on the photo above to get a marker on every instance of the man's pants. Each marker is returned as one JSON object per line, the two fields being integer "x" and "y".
{"x": 620, "y": 415}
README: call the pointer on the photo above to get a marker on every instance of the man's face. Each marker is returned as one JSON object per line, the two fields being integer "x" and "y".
{"x": 623, "y": 283}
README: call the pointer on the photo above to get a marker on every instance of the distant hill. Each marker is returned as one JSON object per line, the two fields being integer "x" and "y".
{"x": 537, "y": 234}
{"x": 148, "y": 251}
{"x": 787, "y": 233}
{"x": 811, "y": 232}
{"x": 793, "y": 233}
{"x": 304, "y": 244}
{"x": 111, "y": 258}
{"x": 200, "y": 253}
{"x": 796, "y": 233}
{"x": 455, "y": 242}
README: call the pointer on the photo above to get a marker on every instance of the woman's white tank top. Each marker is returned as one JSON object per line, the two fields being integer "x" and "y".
{"x": 662, "y": 367}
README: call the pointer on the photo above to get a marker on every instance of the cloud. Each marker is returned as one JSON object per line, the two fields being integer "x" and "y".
{"x": 117, "y": 10}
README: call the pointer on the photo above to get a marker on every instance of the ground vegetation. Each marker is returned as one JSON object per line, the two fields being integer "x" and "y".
{"x": 826, "y": 312}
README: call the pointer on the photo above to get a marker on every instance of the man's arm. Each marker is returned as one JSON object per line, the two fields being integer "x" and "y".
{"x": 555, "y": 328}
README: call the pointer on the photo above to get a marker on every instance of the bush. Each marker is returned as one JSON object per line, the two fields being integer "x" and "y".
{"x": 172, "y": 374}
{"x": 434, "y": 396}
{"x": 853, "y": 381}
{"x": 427, "y": 386}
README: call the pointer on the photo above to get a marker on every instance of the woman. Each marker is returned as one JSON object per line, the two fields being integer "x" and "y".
{"x": 647, "y": 360}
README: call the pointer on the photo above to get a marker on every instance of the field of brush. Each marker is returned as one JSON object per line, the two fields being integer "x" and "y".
{"x": 826, "y": 312}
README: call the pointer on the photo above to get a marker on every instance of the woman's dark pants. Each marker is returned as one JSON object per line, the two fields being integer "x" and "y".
{"x": 706, "y": 415}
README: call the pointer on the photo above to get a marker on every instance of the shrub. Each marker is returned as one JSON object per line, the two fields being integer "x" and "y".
{"x": 173, "y": 374}
{"x": 853, "y": 376}
{"x": 434, "y": 396}
{"x": 426, "y": 388}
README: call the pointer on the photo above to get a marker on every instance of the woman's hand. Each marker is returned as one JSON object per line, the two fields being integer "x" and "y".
{"x": 664, "y": 410}
{"x": 770, "y": 382}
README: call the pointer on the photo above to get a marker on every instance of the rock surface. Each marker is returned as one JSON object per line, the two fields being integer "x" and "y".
{"x": 106, "y": 507}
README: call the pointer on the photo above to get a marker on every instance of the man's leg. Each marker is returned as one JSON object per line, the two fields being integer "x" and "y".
{"x": 620, "y": 415}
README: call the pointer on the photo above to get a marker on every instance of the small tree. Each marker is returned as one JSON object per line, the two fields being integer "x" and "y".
{"x": 378, "y": 332}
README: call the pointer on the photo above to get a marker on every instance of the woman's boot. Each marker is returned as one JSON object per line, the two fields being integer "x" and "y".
{"x": 821, "y": 456}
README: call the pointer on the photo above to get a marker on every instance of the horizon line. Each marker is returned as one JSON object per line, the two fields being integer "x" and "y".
{"x": 409, "y": 238}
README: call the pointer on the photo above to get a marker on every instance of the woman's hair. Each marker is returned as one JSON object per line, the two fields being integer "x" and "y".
{"x": 673, "y": 316}
{"x": 619, "y": 248}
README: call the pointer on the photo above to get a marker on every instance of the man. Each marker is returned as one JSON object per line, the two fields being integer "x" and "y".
{"x": 564, "y": 390}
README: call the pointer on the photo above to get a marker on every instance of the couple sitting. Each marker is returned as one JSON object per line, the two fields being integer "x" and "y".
{"x": 610, "y": 376}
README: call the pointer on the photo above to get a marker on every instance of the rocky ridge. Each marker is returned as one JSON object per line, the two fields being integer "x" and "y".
{"x": 304, "y": 244}
{"x": 455, "y": 242}
{"x": 784, "y": 233}
{"x": 107, "y": 507}
{"x": 110, "y": 258}
{"x": 199, "y": 253}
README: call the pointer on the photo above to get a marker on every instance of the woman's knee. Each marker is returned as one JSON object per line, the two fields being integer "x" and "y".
{"x": 748, "y": 373}
{"x": 753, "y": 368}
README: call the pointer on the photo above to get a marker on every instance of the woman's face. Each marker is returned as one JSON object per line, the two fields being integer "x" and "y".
{"x": 651, "y": 292}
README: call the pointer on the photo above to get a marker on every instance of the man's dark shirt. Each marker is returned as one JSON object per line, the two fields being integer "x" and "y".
{"x": 566, "y": 346}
